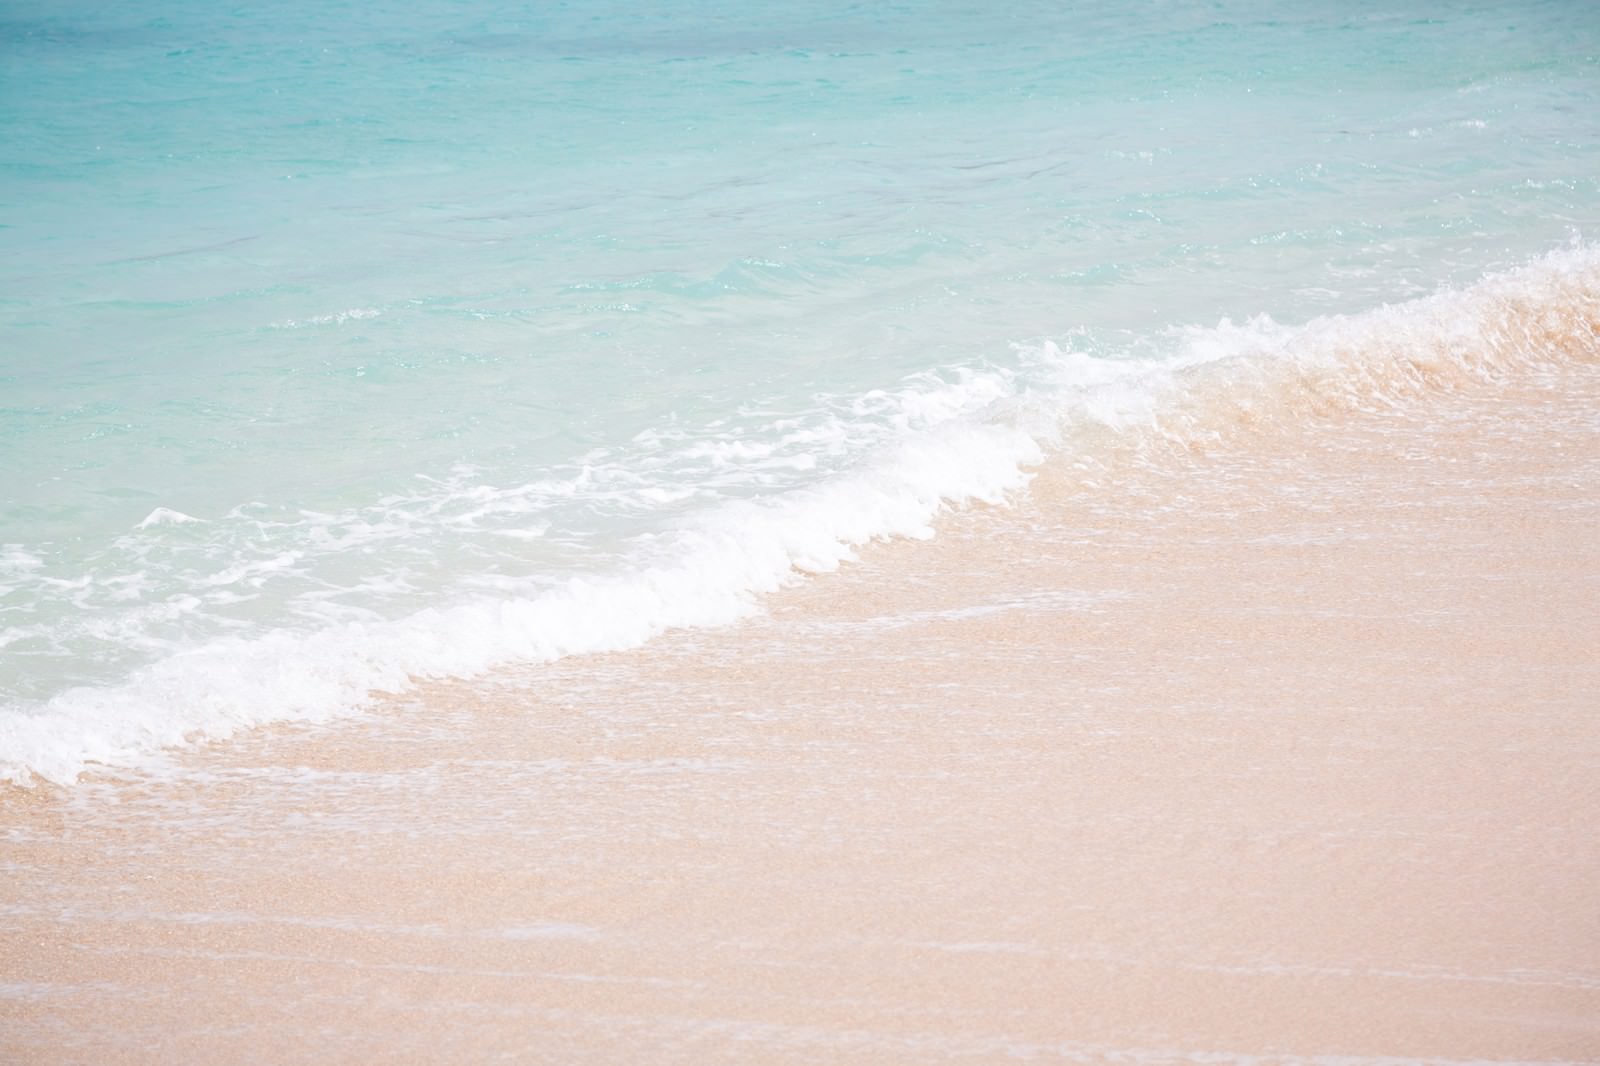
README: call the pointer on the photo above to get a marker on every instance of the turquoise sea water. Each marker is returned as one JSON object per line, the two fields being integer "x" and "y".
{"x": 346, "y": 343}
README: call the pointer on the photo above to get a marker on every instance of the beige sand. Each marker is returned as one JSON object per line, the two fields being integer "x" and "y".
{"x": 1290, "y": 750}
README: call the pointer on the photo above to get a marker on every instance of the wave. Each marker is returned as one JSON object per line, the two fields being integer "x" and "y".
{"x": 978, "y": 439}
{"x": 1189, "y": 386}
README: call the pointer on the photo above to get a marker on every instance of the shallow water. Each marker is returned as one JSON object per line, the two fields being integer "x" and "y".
{"x": 346, "y": 345}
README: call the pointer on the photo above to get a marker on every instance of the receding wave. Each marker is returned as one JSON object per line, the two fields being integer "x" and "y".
{"x": 1182, "y": 386}
{"x": 1190, "y": 385}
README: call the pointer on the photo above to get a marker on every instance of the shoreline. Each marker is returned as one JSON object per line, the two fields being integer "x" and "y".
{"x": 1281, "y": 747}
{"x": 964, "y": 437}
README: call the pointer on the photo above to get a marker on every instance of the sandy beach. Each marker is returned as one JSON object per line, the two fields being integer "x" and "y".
{"x": 1284, "y": 748}
{"x": 740, "y": 534}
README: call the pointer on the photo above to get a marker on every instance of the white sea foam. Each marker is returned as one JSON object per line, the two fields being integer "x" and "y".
{"x": 162, "y": 516}
{"x": 336, "y": 318}
{"x": 705, "y": 573}
{"x": 941, "y": 441}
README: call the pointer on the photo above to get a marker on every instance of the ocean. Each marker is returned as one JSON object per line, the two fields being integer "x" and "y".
{"x": 348, "y": 345}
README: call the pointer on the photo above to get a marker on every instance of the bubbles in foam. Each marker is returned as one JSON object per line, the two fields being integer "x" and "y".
{"x": 1191, "y": 383}
{"x": 336, "y": 318}
{"x": 165, "y": 516}
{"x": 705, "y": 573}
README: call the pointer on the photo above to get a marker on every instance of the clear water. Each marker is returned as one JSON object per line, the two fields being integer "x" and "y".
{"x": 346, "y": 343}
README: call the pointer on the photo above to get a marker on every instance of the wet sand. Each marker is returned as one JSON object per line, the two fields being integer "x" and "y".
{"x": 1286, "y": 748}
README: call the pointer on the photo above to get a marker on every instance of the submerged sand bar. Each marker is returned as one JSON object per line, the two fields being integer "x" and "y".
{"x": 1287, "y": 748}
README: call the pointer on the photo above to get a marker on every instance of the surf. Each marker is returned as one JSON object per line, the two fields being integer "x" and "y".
{"x": 947, "y": 440}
